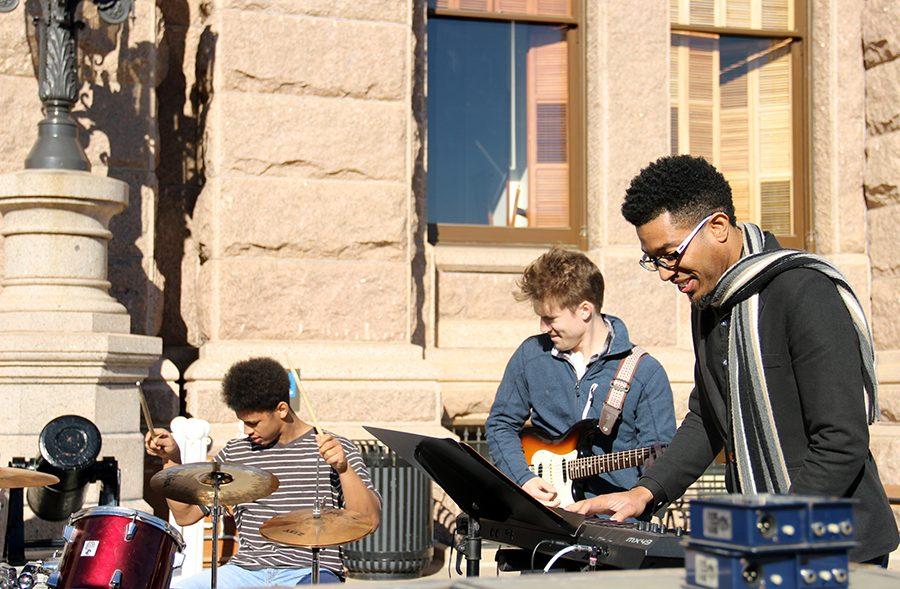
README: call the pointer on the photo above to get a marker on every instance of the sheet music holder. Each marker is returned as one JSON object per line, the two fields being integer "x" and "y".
{"x": 477, "y": 486}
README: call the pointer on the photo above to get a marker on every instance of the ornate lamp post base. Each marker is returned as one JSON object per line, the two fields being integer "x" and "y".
{"x": 57, "y": 146}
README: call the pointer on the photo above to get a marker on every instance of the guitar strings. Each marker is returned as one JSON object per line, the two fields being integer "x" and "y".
{"x": 608, "y": 460}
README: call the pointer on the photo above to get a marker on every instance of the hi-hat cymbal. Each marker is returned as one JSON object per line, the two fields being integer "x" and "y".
{"x": 13, "y": 478}
{"x": 193, "y": 483}
{"x": 329, "y": 528}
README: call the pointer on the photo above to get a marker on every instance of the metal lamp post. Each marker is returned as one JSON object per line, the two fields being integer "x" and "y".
{"x": 57, "y": 146}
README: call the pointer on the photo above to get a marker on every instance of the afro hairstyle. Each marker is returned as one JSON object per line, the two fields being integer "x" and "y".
{"x": 257, "y": 384}
{"x": 688, "y": 188}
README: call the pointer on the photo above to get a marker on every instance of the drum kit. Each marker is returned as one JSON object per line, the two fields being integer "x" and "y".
{"x": 121, "y": 548}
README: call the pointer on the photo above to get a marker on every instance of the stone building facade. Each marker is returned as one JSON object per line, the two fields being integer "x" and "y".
{"x": 277, "y": 157}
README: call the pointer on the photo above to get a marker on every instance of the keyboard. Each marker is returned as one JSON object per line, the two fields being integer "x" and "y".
{"x": 621, "y": 545}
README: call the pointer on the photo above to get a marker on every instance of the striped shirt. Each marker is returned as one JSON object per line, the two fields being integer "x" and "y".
{"x": 295, "y": 465}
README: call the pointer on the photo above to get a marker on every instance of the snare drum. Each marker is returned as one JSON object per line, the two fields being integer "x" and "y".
{"x": 117, "y": 548}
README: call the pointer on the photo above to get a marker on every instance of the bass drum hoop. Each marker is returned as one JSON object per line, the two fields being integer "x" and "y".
{"x": 128, "y": 513}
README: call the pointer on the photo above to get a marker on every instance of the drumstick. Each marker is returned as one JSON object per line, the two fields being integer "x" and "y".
{"x": 315, "y": 421}
{"x": 145, "y": 409}
{"x": 303, "y": 396}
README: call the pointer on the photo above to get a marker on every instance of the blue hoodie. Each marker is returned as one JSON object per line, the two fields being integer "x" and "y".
{"x": 544, "y": 387}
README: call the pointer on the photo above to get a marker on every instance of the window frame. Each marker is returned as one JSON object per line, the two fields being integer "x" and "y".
{"x": 802, "y": 236}
{"x": 576, "y": 233}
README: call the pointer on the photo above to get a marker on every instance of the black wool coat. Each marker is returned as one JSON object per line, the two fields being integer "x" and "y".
{"x": 810, "y": 355}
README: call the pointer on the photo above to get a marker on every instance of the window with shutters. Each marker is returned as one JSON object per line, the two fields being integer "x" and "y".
{"x": 737, "y": 99}
{"x": 504, "y": 121}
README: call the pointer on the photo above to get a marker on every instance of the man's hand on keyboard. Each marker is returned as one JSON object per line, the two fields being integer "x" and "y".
{"x": 620, "y": 506}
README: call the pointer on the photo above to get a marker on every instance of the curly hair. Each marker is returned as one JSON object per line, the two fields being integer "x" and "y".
{"x": 257, "y": 384}
{"x": 687, "y": 187}
{"x": 564, "y": 277}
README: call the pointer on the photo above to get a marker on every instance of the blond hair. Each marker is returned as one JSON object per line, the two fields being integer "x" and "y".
{"x": 564, "y": 277}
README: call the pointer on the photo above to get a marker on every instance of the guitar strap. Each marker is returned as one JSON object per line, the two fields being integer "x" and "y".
{"x": 618, "y": 389}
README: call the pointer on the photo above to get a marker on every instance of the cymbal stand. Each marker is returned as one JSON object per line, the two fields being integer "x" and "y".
{"x": 315, "y": 565}
{"x": 317, "y": 512}
{"x": 218, "y": 479}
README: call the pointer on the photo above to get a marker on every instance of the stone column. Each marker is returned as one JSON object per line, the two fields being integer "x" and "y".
{"x": 306, "y": 224}
{"x": 881, "y": 46}
{"x": 65, "y": 346}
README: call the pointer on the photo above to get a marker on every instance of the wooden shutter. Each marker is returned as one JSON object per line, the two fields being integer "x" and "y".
{"x": 674, "y": 93}
{"x": 474, "y": 5}
{"x": 703, "y": 66}
{"x": 766, "y": 14}
{"x": 519, "y": 6}
{"x": 775, "y": 199}
{"x": 537, "y": 7}
{"x": 556, "y": 7}
{"x": 734, "y": 154}
{"x": 738, "y": 14}
{"x": 776, "y": 13}
{"x": 775, "y": 143}
{"x": 547, "y": 97}
{"x": 675, "y": 11}
{"x": 703, "y": 12}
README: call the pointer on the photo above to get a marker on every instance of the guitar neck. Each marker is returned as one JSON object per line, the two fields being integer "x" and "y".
{"x": 594, "y": 465}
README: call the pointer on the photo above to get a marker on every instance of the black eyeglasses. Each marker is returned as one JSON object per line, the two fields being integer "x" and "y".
{"x": 670, "y": 261}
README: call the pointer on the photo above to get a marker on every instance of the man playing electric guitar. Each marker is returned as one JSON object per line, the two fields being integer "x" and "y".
{"x": 581, "y": 366}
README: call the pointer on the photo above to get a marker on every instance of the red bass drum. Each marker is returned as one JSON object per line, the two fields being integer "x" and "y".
{"x": 117, "y": 548}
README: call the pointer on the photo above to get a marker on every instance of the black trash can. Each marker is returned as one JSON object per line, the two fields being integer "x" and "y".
{"x": 403, "y": 545}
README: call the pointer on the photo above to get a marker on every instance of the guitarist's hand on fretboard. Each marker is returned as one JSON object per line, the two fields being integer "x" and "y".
{"x": 542, "y": 491}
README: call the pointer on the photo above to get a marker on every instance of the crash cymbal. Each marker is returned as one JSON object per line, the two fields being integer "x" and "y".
{"x": 13, "y": 478}
{"x": 193, "y": 483}
{"x": 304, "y": 528}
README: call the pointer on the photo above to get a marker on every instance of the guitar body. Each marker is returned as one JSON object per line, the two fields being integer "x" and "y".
{"x": 568, "y": 460}
{"x": 548, "y": 456}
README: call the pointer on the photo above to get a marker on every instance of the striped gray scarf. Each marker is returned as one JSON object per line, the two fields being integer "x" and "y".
{"x": 760, "y": 462}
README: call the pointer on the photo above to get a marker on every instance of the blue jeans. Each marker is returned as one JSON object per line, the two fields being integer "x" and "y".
{"x": 234, "y": 577}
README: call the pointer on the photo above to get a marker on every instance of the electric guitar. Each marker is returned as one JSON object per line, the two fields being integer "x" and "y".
{"x": 564, "y": 460}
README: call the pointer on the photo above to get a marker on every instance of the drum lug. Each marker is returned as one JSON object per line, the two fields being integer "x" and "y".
{"x": 68, "y": 533}
{"x": 53, "y": 579}
{"x": 116, "y": 580}
{"x": 130, "y": 530}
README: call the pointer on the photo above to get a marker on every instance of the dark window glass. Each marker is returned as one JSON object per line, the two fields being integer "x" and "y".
{"x": 497, "y": 124}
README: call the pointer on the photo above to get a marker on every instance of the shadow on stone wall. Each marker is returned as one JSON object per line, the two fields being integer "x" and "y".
{"x": 182, "y": 120}
{"x": 419, "y": 179}
{"x": 182, "y": 110}
{"x": 118, "y": 114}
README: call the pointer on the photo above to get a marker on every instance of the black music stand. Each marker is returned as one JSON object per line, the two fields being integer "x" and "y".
{"x": 494, "y": 503}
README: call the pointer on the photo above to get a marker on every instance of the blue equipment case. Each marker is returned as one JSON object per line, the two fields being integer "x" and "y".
{"x": 771, "y": 523}
{"x": 713, "y": 568}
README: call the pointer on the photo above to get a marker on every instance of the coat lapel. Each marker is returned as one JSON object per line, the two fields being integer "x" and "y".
{"x": 709, "y": 392}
